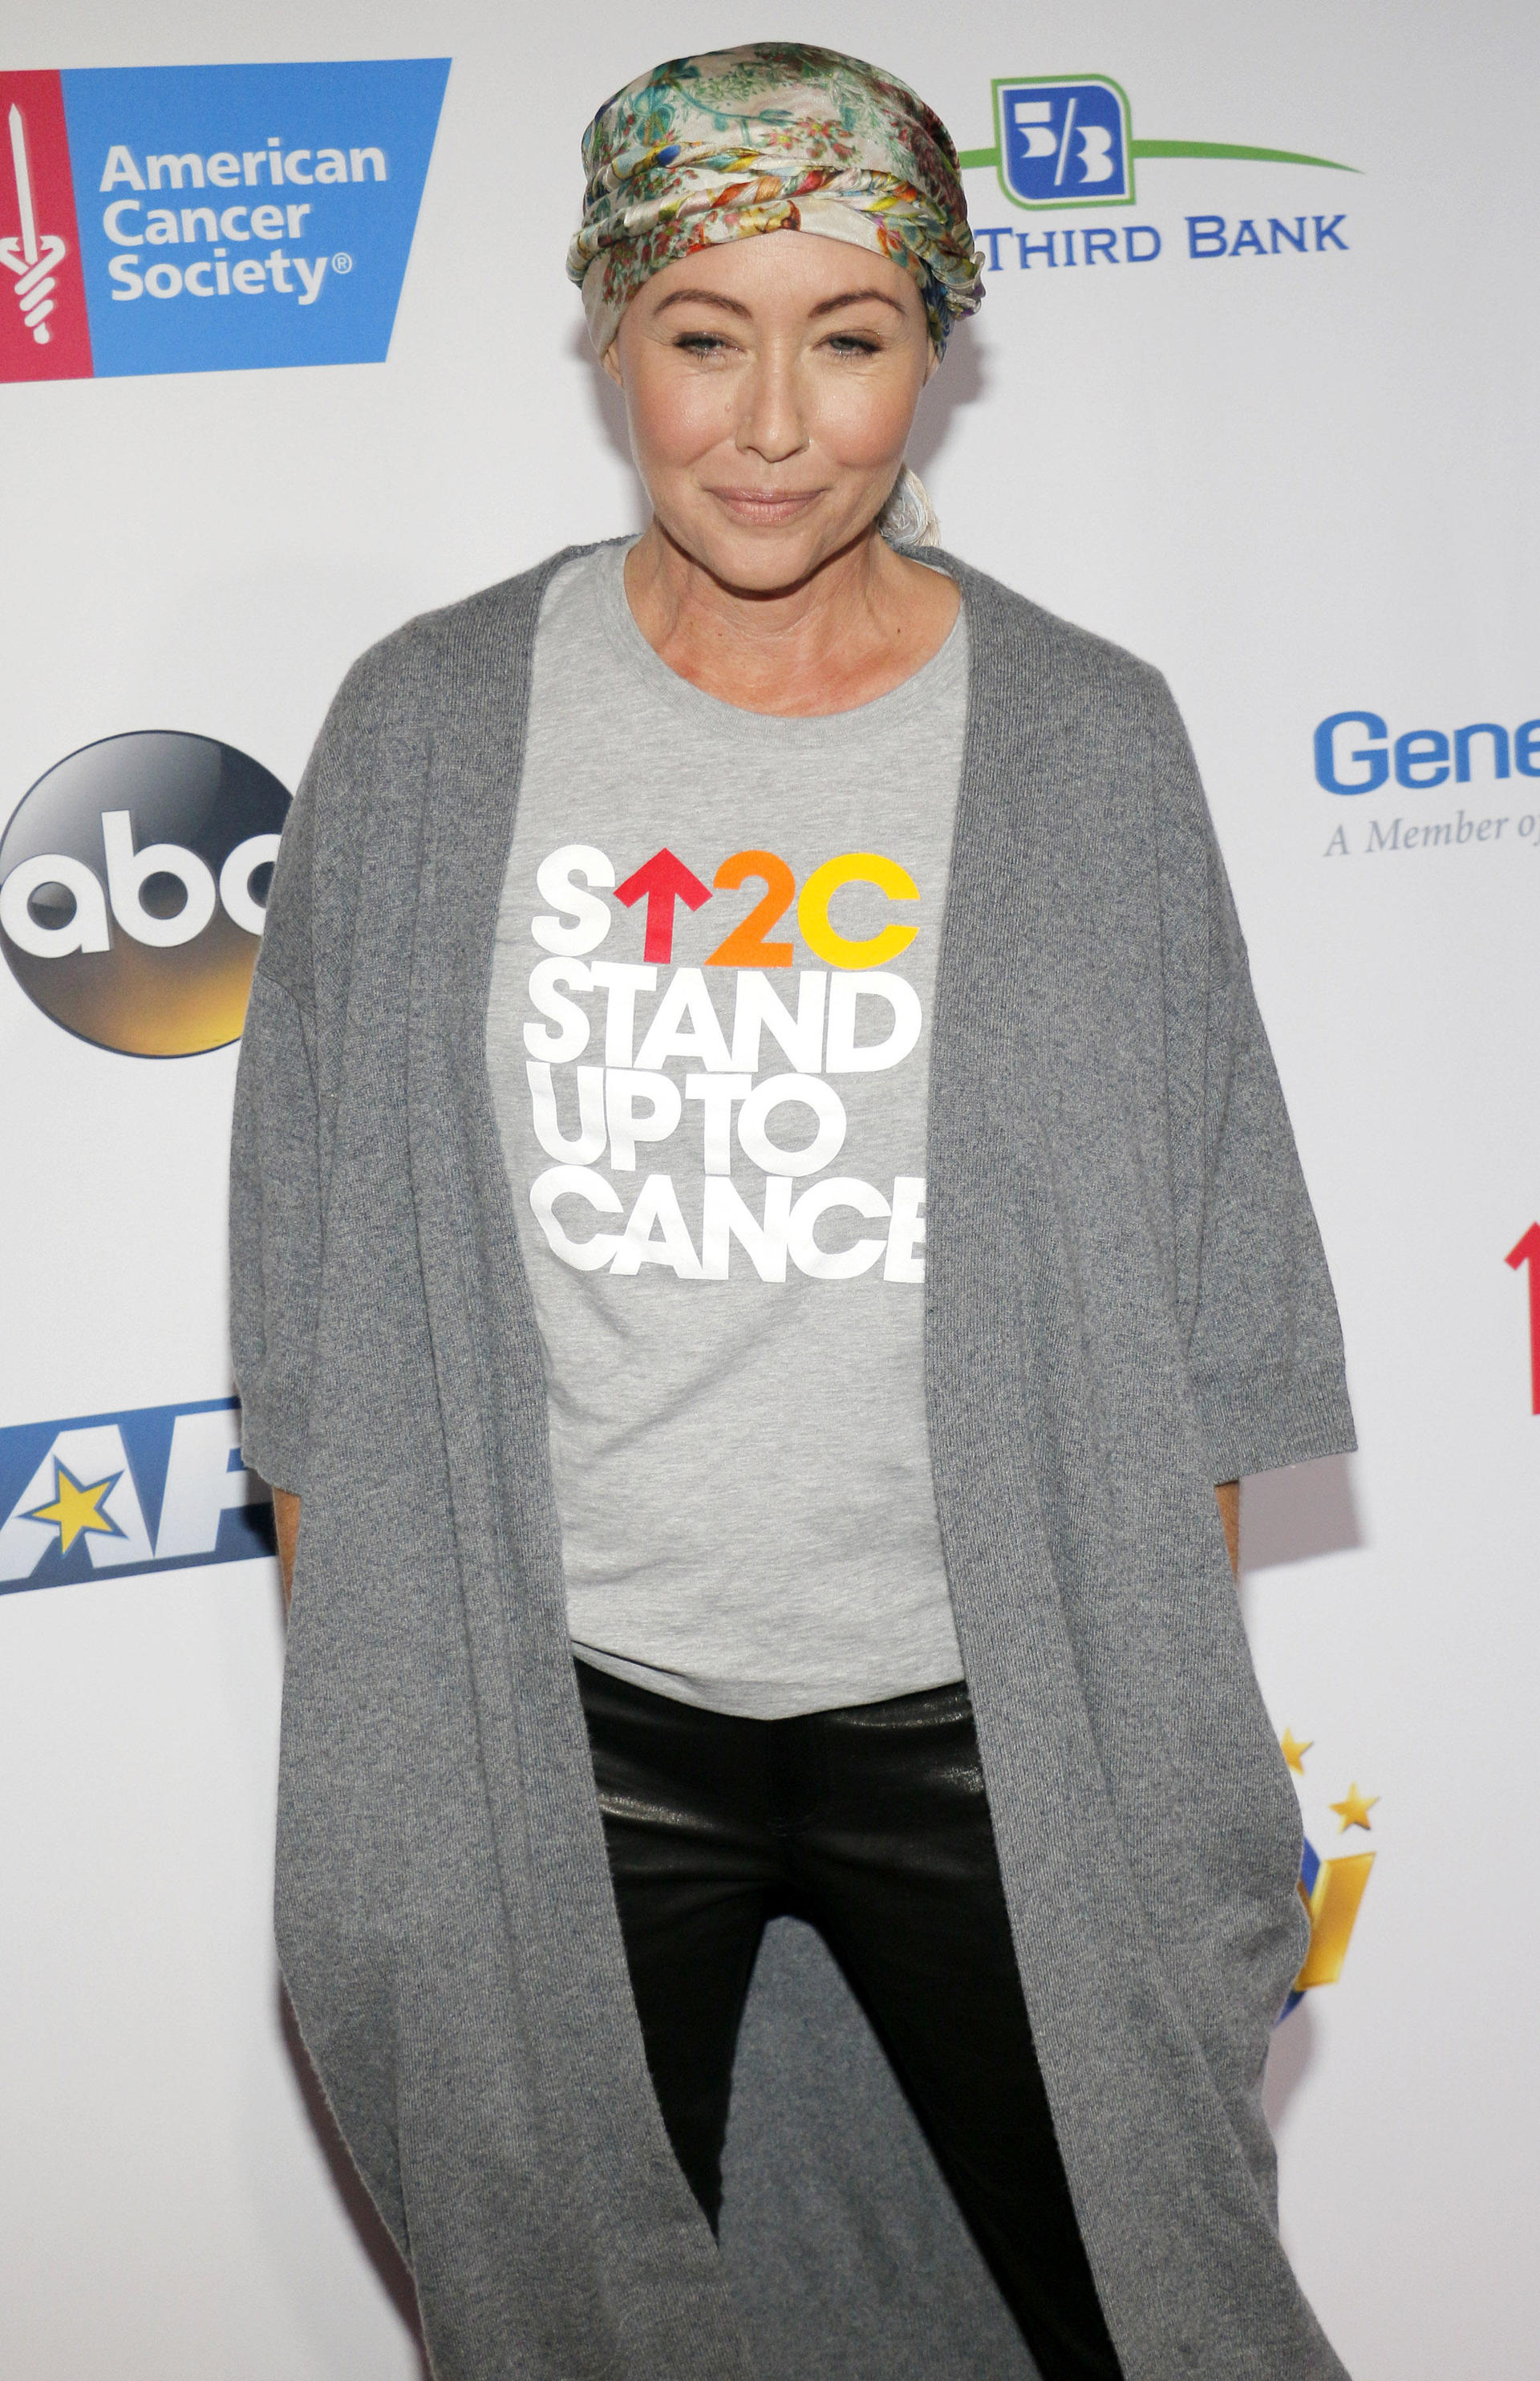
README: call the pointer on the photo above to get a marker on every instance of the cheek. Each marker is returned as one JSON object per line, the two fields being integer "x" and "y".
{"x": 864, "y": 422}
{"x": 677, "y": 416}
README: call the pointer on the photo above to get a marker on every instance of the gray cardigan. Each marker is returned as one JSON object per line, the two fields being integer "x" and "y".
{"x": 1126, "y": 1302}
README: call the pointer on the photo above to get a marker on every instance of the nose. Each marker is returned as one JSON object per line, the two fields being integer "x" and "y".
{"x": 770, "y": 420}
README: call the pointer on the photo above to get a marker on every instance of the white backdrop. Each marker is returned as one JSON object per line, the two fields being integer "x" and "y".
{"x": 1300, "y": 484}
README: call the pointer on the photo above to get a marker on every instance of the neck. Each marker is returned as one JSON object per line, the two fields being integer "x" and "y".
{"x": 855, "y": 627}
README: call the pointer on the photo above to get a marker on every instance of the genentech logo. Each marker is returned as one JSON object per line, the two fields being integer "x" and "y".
{"x": 133, "y": 884}
{"x": 153, "y": 1489}
{"x": 161, "y": 219}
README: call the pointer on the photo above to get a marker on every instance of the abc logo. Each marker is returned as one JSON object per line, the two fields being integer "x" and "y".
{"x": 134, "y": 881}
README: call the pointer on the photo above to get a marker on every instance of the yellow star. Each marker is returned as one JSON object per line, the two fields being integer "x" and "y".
{"x": 77, "y": 1508}
{"x": 1294, "y": 1752}
{"x": 1354, "y": 1812}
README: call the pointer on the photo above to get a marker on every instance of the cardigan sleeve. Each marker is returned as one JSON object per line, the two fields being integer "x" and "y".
{"x": 1265, "y": 1345}
{"x": 286, "y": 1084}
{"x": 275, "y": 1176}
{"x": 275, "y": 1233}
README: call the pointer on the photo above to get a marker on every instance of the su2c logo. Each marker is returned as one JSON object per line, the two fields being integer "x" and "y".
{"x": 133, "y": 886}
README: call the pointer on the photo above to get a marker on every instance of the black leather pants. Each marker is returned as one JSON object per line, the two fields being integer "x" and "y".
{"x": 872, "y": 1824}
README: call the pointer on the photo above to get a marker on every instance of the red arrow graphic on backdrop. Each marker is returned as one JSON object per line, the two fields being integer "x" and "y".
{"x": 664, "y": 880}
{"x": 1527, "y": 1252}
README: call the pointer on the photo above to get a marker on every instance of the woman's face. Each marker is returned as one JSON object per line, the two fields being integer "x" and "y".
{"x": 770, "y": 384}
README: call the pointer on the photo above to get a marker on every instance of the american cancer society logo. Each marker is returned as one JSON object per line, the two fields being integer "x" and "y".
{"x": 170, "y": 219}
{"x": 154, "y": 1489}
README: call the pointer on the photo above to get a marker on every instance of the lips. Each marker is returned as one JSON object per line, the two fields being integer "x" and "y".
{"x": 766, "y": 506}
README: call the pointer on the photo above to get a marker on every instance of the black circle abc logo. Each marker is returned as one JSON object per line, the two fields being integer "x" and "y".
{"x": 133, "y": 882}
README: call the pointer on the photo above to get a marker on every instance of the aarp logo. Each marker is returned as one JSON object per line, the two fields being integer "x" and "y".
{"x": 154, "y": 1489}
{"x": 1065, "y": 144}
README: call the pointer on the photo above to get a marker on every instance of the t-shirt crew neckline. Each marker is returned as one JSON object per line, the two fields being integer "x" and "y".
{"x": 661, "y": 684}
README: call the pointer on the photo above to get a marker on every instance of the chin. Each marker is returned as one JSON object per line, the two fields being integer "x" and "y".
{"x": 759, "y": 560}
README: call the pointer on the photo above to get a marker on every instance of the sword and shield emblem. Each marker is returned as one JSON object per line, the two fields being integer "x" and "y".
{"x": 31, "y": 255}
{"x": 44, "y": 332}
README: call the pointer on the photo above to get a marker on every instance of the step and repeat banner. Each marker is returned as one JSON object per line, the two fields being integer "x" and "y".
{"x": 288, "y": 354}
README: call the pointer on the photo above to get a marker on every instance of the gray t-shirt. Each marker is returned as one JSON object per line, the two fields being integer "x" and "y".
{"x": 709, "y": 1040}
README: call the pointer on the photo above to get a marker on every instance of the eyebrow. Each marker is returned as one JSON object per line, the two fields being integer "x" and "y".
{"x": 736, "y": 306}
{"x": 857, "y": 297}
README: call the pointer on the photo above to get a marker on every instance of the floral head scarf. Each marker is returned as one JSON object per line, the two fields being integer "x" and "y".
{"x": 775, "y": 137}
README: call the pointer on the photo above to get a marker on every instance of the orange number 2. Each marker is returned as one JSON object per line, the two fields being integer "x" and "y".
{"x": 746, "y": 946}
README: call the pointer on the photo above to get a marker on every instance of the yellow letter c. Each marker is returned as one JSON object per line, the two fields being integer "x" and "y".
{"x": 855, "y": 868}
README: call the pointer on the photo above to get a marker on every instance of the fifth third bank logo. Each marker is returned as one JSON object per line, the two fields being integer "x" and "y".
{"x": 1065, "y": 143}
{"x": 153, "y": 1489}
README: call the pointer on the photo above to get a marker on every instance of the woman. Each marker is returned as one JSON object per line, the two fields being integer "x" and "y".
{"x": 757, "y": 1168}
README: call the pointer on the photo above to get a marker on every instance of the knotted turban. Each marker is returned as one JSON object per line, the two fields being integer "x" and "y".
{"x": 778, "y": 136}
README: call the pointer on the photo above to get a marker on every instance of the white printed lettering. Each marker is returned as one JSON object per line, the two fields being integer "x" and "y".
{"x": 570, "y": 1040}
{"x": 759, "y": 1007}
{"x": 589, "y": 1143}
{"x": 623, "y": 1088}
{"x": 726, "y": 1216}
{"x": 591, "y": 917}
{"x": 717, "y": 1094}
{"x": 622, "y": 981}
{"x": 581, "y": 1182}
{"x": 833, "y": 1264}
{"x": 657, "y": 1202}
{"x": 845, "y": 1055}
{"x": 808, "y": 1091}
{"x": 907, "y": 1232}
{"x": 685, "y": 1026}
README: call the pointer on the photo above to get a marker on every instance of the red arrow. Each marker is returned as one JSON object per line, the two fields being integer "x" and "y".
{"x": 664, "y": 880}
{"x": 1527, "y": 1252}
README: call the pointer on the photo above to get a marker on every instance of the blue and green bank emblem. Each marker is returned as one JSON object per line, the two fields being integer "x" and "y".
{"x": 1068, "y": 141}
